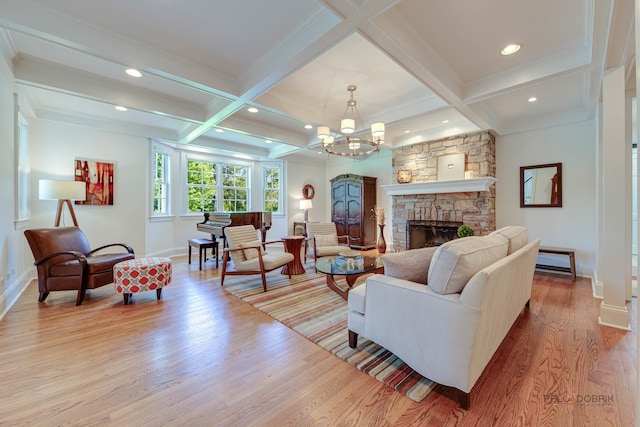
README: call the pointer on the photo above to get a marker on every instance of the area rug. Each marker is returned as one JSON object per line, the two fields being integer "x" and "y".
{"x": 305, "y": 304}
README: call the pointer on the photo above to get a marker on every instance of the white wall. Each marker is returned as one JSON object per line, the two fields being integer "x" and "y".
{"x": 299, "y": 173}
{"x": 53, "y": 148}
{"x": 572, "y": 225}
{"x": 13, "y": 245}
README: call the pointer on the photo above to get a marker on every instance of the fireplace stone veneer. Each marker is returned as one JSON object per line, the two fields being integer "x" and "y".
{"x": 475, "y": 208}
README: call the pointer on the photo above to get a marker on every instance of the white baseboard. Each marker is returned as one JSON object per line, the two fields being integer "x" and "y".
{"x": 614, "y": 316}
{"x": 14, "y": 290}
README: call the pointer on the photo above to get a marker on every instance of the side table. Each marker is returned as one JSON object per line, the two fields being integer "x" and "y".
{"x": 293, "y": 245}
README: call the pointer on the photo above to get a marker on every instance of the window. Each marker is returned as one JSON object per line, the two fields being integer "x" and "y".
{"x": 271, "y": 188}
{"x": 161, "y": 183}
{"x": 235, "y": 187}
{"x": 201, "y": 186}
{"x": 22, "y": 168}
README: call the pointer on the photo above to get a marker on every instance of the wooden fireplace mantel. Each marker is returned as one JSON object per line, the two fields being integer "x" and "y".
{"x": 436, "y": 187}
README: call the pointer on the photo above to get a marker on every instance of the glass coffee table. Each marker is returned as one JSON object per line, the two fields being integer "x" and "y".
{"x": 351, "y": 267}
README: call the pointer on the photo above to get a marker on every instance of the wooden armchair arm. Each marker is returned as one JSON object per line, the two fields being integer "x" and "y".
{"x": 124, "y": 245}
{"x": 346, "y": 236}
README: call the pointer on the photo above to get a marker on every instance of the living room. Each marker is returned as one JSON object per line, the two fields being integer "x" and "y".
{"x": 56, "y": 138}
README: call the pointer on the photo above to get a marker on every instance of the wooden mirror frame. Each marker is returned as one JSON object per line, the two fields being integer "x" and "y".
{"x": 555, "y": 200}
{"x": 308, "y": 192}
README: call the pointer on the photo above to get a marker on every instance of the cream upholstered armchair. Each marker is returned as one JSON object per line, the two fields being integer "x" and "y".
{"x": 248, "y": 254}
{"x": 324, "y": 240}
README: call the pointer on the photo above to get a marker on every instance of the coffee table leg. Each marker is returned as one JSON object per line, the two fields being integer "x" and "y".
{"x": 331, "y": 283}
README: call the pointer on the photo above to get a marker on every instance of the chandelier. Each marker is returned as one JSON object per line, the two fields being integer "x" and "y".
{"x": 347, "y": 142}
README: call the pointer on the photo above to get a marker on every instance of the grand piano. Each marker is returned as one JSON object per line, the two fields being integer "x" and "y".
{"x": 214, "y": 223}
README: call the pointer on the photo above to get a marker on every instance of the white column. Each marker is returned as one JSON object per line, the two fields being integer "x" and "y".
{"x": 615, "y": 191}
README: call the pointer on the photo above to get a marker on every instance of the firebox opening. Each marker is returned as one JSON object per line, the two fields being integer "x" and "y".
{"x": 427, "y": 233}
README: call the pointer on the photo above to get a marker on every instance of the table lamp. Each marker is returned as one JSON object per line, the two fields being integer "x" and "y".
{"x": 63, "y": 192}
{"x": 306, "y": 204}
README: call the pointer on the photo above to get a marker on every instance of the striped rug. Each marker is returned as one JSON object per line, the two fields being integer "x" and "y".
{"x": 305, "y": 304}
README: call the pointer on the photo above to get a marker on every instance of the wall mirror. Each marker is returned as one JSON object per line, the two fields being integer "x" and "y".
{"x": 308, "y": 192}
{"x": 541, "y": 186}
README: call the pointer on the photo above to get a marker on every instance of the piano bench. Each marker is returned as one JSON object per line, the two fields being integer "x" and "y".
{"x": 203, "y": 245}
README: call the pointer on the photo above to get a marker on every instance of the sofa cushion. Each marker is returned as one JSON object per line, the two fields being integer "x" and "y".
{"x": 326, "y": 240}
{"x": 456, "y": 261}
{"x": 516, "y": 235}
{"x": 412, "y": 265}
{"x": 251, "y": 252}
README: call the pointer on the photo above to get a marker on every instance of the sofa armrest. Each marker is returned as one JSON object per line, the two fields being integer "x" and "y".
{"x": 432, "y": 333}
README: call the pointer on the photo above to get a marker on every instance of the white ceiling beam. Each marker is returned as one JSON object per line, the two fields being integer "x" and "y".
{"x": 63, "y": 79}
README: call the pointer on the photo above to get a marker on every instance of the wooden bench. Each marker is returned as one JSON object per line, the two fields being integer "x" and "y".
{"x": 203, "y": 245}
{"x": 571, "y": 253}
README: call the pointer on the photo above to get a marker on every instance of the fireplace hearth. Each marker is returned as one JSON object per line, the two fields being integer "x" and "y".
{"x": 427, "y": 233}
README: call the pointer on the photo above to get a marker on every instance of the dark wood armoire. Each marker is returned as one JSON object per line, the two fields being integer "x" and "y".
{"x": 352, "y": 199}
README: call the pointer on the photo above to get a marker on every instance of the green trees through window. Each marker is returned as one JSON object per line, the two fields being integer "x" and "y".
{"x": 201, "y": 186}
{"x": 271, "y": 188}
{"x": 206, "y": 179}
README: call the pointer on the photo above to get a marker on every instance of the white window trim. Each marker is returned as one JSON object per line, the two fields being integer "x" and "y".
{"x": 22, "y": 169}
{"x": 263, "y": 168}
{"x": 159, "y": 149}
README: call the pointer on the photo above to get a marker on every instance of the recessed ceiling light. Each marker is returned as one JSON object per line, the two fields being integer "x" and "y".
{"x": 445, "y": 121}
{"x": 133, "y": 72}
{"x": 308, "y": 126}
{"x": 120, "y": 108}
{"x": 268, "y": 141}
{"x": 510, "y": 49}
{"x": 219, "y": 130}
{"x": 407, "y": 131}
{"x": 532, "y": 99}
{"x": 252, "y": 109}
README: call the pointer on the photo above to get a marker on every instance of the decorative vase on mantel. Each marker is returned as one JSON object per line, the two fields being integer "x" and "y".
{"x": 382, "y": 245}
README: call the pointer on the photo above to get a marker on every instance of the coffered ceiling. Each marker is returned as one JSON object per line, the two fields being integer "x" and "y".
{"x": 427, "y": 68}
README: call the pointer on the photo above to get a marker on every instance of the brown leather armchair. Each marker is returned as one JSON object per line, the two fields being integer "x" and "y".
{"x": 65, "y": 261}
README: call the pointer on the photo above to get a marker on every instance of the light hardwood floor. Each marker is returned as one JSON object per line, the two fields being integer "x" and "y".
{"x": 202, "y": 357}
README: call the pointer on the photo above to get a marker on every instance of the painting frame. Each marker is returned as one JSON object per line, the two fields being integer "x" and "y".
{"x": 451, "y": 167}
{"x": 98, "y": 177}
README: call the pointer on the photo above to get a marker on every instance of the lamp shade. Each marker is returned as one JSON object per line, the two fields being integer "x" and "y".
{"x": 347, "y": 126}
{"x": 61, "y": 190}
{"x": 305, "y": 204}
{"x": 377, "y": 129}
{"x": 323, "y": 132}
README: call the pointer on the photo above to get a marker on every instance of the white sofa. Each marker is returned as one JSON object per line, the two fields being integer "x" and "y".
{"x": 447, "y": 326}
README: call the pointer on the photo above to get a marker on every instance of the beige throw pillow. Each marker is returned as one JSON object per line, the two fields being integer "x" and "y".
{"x": 517, "y": 236}
{"x": 456, "y": 261}
{"x": 412, "y": 265}
{"x": 326, "y": 240}
{"x": 251, "y": 252}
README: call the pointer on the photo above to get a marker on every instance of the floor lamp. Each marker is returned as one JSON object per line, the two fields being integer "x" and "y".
{"x": 63, "y": 192}
{"x": 306, "y": 204}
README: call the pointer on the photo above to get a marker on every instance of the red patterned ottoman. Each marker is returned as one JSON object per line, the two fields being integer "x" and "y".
{"x": 140, "y": 275}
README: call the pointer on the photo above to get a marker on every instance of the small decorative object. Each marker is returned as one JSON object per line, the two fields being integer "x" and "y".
{"x": 378, "y": 214}
{"x": 381, "y": 245}
{"x": 465, "y": 230}
{"x": 404, "y": 176}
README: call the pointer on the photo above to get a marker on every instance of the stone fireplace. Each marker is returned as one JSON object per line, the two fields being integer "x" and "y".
{"x": 468, "y": 201}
